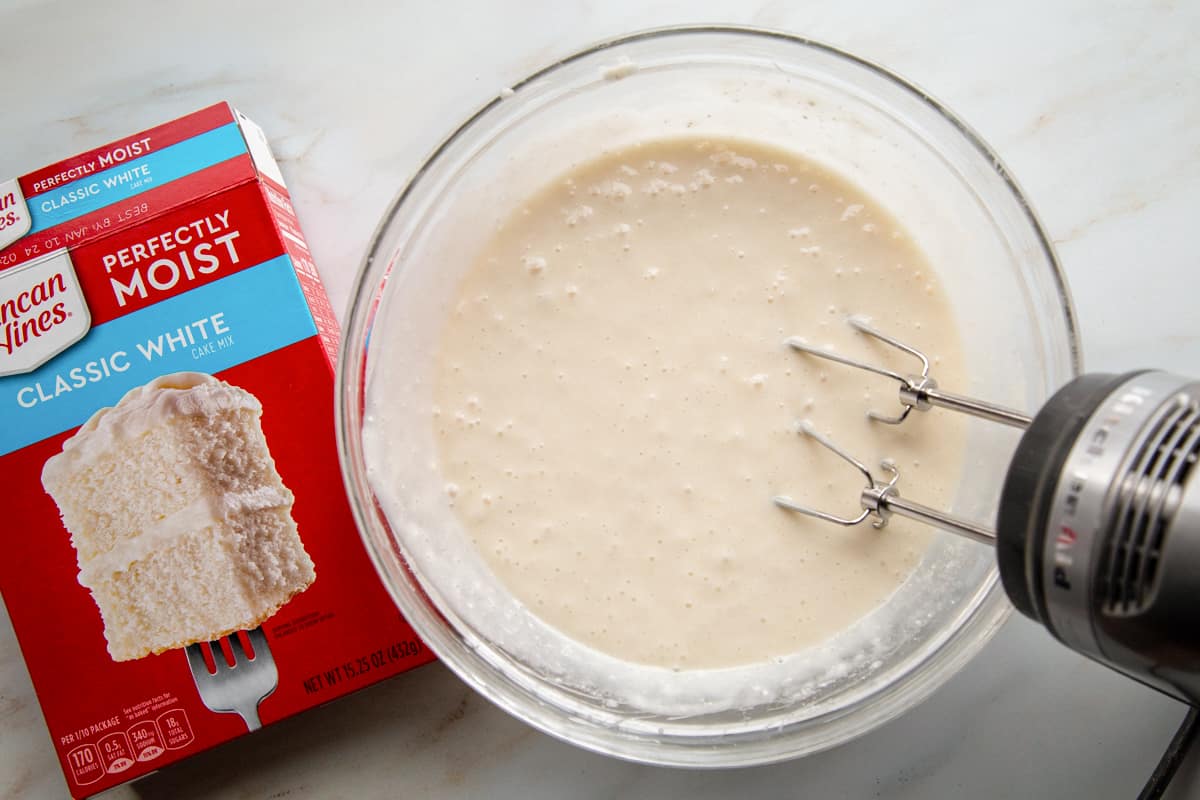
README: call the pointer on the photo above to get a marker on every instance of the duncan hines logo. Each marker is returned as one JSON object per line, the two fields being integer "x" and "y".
{"x": 42, "y": 312}
{"x": 15, "y": 221}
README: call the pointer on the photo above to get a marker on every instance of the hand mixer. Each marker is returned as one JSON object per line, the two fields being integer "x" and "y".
{"x": 1098, "y": 528}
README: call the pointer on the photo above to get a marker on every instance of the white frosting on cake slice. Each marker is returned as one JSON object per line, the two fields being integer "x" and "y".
{"x": 143, "y": 408}
{"x": 181, "y": 523}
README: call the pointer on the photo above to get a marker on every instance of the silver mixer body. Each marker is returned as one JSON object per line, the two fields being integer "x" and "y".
{"x": 1098, "y": 530}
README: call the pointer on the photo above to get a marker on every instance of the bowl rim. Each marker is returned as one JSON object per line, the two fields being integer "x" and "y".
{"x": 350, "y": 378}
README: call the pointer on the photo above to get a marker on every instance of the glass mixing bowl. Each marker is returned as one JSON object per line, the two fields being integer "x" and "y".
{"x": 916, "y": 159}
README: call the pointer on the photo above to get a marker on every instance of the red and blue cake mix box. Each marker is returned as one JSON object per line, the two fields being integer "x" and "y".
{"x": 181, "y": 564}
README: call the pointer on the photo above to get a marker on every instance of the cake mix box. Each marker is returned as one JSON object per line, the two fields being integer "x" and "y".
{"x": 180, "y": 561}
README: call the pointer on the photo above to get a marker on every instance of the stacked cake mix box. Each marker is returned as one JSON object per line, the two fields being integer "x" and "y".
{"x": 180, "y": 561}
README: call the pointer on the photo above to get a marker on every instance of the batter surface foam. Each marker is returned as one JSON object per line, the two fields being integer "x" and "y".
{"x": 614, "y": 406}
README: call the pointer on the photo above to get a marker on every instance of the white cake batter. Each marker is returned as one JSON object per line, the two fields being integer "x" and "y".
{"x": 615, "y": 407}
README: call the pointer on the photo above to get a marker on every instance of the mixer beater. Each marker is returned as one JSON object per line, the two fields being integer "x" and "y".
{"x": 880, "y": 500}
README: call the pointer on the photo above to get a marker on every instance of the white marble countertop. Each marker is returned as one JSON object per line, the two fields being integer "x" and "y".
{"x": 1094, "y": 107}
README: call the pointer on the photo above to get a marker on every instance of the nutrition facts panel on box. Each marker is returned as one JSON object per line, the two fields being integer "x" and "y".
{"x": 110, "y": 749}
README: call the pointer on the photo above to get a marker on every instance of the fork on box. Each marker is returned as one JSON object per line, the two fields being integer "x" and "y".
{"x": 236, "y": 688}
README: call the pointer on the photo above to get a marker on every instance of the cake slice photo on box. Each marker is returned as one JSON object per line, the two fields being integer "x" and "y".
{"x": 181, "y": 524}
